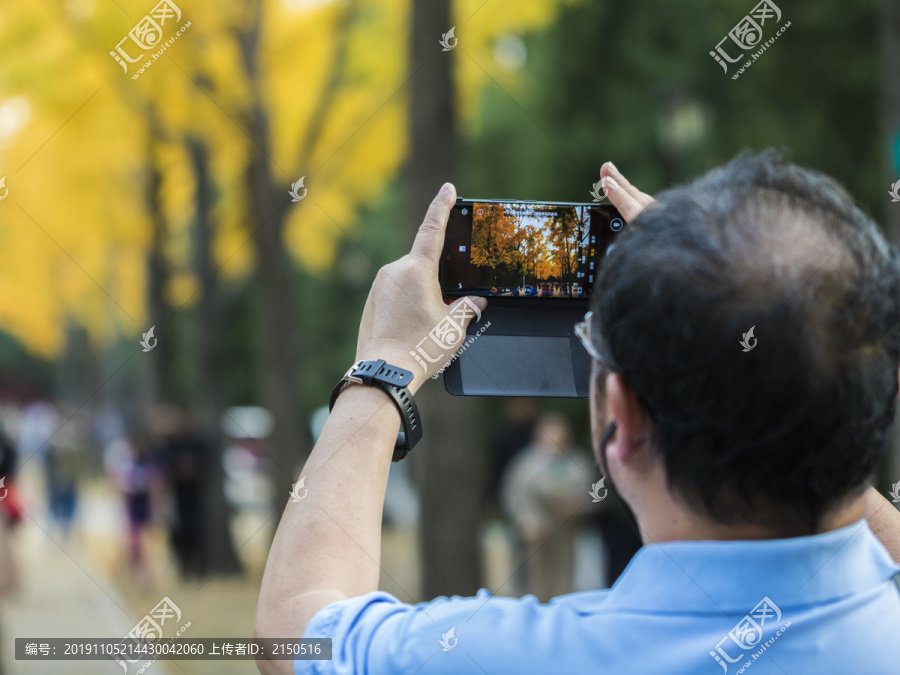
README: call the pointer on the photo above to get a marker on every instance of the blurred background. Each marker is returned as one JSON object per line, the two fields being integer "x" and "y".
{"x": 195, "y": 198}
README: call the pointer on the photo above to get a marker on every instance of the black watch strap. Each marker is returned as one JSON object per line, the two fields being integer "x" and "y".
{"x": 393, "y": 381}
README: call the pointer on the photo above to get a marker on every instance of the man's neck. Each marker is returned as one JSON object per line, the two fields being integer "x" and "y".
{"x": 674, "y": 521}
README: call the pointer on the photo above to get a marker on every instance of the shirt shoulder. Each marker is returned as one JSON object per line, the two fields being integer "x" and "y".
{"x": 376, "y": 633}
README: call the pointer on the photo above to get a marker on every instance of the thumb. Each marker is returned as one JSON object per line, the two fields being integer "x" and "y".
{"x": 429, "y": 241}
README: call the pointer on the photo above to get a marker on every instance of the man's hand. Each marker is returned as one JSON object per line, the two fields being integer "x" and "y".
{"x": 623, "y": 195}
{"x": 405, "y": 302}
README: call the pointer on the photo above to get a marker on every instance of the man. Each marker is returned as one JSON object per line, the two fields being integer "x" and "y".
{"x": 542, "y": 489}
{"x": 745, "y": 459}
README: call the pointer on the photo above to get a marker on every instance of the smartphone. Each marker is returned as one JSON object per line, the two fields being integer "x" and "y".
{"x": 518, "y": 249}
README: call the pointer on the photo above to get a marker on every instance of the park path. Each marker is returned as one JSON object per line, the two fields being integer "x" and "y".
{"x": 79, "y": 587}
{"x": 65, "y": 588}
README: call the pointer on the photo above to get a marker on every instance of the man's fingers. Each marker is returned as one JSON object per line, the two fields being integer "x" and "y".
{"x": 609, "y": 169}
{"x": 628, "y": 206}
{"x": 468, "y": 309}
{"x": 429, "y": 240}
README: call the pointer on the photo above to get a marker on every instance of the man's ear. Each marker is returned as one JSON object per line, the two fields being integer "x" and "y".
{"x": 625, "y": 408}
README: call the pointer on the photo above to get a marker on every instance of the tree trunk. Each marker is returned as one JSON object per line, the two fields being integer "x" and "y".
{"x": 279, "y": 341}
{"x": 450, "y": 461}
{"x": 160, "y": 381}
{"x": 281, "y": 346}
{"x": 280, "y": 358}
{"x": 218, "y": 555}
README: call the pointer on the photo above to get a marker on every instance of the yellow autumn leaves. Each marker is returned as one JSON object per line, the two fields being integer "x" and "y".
{"x": 77, "y": 140}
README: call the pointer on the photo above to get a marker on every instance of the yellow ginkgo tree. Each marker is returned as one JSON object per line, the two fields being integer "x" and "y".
{"x": 98, "y": 147}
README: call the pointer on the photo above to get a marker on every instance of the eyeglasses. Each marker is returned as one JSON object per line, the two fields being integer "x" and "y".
{"x": 583, "y": 331}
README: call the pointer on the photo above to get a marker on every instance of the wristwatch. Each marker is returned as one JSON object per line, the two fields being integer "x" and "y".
{"x": 394, "y": 382}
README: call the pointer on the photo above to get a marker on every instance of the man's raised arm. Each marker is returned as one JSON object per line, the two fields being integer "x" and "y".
{"x": 328, "y": 544}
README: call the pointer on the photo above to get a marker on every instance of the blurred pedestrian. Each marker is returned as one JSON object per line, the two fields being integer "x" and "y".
{"x": 542, "y": 490}
{"x": 185, "y": 454}
{"x": 137, "y": 476}
{"x": 39, "y": 422}
{"x": 10, "y": 516}
{"x": 512, "y": 433}
{"x": 65, "y": 458}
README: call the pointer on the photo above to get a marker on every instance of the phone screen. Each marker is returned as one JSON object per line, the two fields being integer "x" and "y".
{"x": 526, "y": 249}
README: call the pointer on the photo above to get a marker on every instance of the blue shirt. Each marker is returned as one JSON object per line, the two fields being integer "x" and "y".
{"x": 819, "y": 604}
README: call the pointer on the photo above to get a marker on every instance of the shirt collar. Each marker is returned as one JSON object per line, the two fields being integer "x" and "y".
{"x": 732, "y": 576}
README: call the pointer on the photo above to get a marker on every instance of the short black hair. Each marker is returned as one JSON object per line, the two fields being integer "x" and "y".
{"x": 784, "y": 433}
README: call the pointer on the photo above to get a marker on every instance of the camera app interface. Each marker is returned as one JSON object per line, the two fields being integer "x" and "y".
{"x": 525, "y": 250}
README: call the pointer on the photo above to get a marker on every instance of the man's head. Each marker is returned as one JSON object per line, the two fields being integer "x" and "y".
{"x": 783, "y": 434}
{"x": 551, "y": 433}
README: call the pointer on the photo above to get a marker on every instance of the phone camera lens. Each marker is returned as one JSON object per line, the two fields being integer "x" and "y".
{"x": 616, "y": 224}
{"x": 465, "y": 211}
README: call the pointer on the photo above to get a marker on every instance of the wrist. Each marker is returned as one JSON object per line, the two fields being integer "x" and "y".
{"x": 370, "y": 411}
{"x": 366, "y": 400}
